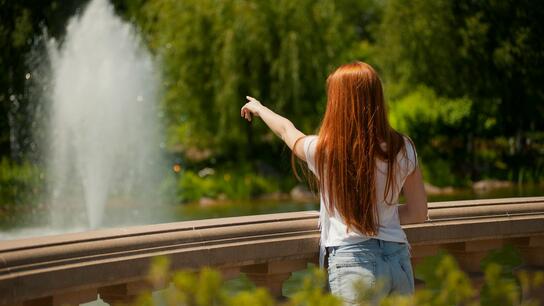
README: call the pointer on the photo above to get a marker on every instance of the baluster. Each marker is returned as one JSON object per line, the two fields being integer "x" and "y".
{"x": 65, "y": 298}
{"x": 123, "y": 293}
{"x": 272, "y": 274}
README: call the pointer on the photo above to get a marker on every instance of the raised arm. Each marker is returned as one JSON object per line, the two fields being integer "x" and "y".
{"x": 281, "y": 126}
{"x": 415, "y": 209}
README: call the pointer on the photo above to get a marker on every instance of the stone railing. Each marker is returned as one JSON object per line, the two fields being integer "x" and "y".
{"x": 113, "y": 263}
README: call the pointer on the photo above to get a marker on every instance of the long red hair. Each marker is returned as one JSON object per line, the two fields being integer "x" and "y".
{"x": 354, "y": 125}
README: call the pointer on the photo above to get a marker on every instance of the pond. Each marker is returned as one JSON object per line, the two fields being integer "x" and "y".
{"x": 254, "y": 207}
{"x": 126, "y": 214}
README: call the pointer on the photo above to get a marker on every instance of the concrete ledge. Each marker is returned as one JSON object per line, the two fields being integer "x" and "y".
{"x": 41, "y": 266}
{"x": 97, "y": 261}
{"x": 489, "y": 207}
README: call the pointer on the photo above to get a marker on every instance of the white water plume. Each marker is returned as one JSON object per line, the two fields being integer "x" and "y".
{"x": 103, "y": 132}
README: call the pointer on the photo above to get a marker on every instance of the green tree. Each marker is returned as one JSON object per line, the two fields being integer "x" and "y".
{"x": 21, "y": 27}
{"x": 215, "y": 53}
{"x": 487, "y": 52}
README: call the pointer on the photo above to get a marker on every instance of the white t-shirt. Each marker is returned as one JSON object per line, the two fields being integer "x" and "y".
{"x": 333, "y": 228}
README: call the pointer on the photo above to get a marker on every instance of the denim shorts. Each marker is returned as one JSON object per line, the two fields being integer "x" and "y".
{"x": 379, "y": 267}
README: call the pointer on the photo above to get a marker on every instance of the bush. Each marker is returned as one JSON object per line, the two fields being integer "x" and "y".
{"x": 230, "y": 184}
{"x": 446, "y": 284}
{"x": 436, "y": 125}
{"x": 19, "y": 183}
{"x": 21, "y": 188}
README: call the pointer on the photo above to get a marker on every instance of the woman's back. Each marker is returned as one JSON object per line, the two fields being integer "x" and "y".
{"x": 334, "y": 228}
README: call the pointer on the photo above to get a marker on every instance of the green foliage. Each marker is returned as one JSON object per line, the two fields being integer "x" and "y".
{"x": 442, "y": 62}
{"x": 508, "y": 258}
{"x": 216, "y": 53}
{"x": 463, "y": 78}
{"x": 481, "y": 55}
{"x": 312, "y": 291}
{"x": 498, "y": 290}
{"x": 201, "y": 288}
{"x": 416, "y": 45}
{"x": 440, "y": 172}
{"x": 229, "y": 184}
{"x": 19, "y": 184}
{"x": 501, "y": 286}
{"x": 259, "y": 297}
{"x": 427, "y": 118}
{"x": 530, "y": 283}
{"x": 21, "y": 26}
{"x": 445, "y": 285}
{"x": 422, "y": 107}
{"x": 21, "y": 191}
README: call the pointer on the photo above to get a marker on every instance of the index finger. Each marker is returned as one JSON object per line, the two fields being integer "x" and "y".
{"x": 251, "y": 98}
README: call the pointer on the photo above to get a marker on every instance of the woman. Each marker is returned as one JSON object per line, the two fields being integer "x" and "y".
{"x": 361, "y": 165}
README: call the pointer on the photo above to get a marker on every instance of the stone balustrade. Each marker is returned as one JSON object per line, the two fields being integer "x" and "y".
{"x": 113, "y": 263}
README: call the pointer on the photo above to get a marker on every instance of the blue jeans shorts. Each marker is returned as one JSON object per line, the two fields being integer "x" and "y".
{"x": 379, "y": 267}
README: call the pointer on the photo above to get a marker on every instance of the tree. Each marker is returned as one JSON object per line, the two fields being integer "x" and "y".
{"x": 22, "y": 24}
{"x": 488, "y": 52}
{"x": 215, "y": 53}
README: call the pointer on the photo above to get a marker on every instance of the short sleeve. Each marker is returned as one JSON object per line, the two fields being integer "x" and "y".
{"x": 310, "y": 144}
{"x": 412, "y": 155}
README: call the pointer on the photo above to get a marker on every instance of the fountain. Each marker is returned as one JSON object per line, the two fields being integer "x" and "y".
{"x": 103, "y": 135}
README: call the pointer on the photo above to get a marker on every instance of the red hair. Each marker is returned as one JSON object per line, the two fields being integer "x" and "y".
{"x": 354, "y": 125}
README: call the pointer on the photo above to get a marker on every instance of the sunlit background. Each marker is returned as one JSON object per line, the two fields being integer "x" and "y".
{"x": 127, "y": 112}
